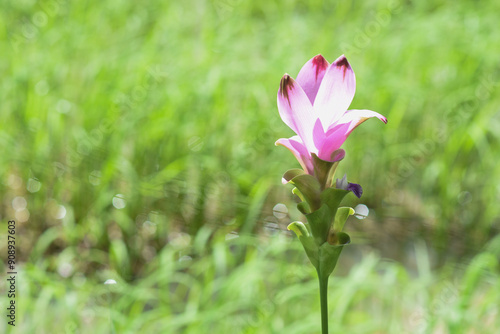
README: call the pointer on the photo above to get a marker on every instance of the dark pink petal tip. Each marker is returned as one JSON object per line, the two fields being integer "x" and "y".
{"x": 320, "y": 63}
{"x": 383, "y": 119}
{"x": 286, "y": 85}
{"x": 343, "y": 64}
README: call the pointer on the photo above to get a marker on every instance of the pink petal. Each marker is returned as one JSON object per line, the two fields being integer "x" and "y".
{"x": 319, "y": 135}
{"x": 311, "y": 74}
{"x": 296, "y": 110}
{"x": 338, "y": 132}
{"x": 334, "y": 138}
{"x": 294, "y": 144}
{"x": 337, "y": 155}
{"x": 336, "y": 91}
{"x": 356, "y": 117}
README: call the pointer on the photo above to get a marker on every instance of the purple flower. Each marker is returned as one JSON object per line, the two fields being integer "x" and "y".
{"x": 354, "y": 187}
{"x": 315, "y": 107}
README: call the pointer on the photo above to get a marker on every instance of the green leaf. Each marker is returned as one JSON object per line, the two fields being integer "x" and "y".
{"x": 344, "y": 238}
{"x": 291, "y": 173}
{"x": 312, "y": 250}
{"x": 332, "y": 197}
{"x": 320, "y": 222}
{"x": 299, "y": 228}
{"x": 304, "y": 208}
{"x": 310, "y": 188}
{"x": 325, "y": 170}
{"x": 297, "y": 192}
{"x": 340, "y": 238}
{"x": 328, "y": 257}
{"x": 310, "y": 247}
{"x": 341, "y": 217}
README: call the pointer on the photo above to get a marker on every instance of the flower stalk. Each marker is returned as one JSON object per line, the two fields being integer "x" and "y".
{"x": 323, "y": 295}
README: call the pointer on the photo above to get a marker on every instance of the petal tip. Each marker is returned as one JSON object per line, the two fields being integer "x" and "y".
{"x": 342, "y": 62}
{"x": 320, "y": 63}
{"x": 337, "y": 155}
{"x": 286, "y": 85}
{"x": 380, "y": 117}
{"x": 342, "y": 65}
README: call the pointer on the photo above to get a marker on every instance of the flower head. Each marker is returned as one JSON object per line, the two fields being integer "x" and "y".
{"x": 315, "y": 107}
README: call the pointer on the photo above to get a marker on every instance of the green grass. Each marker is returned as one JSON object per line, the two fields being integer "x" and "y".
{"x": 273, "y": 292}
{"x": 171, "y": 107}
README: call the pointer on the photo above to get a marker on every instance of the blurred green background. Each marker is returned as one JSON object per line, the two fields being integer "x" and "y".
{"x": 138, "y": 145}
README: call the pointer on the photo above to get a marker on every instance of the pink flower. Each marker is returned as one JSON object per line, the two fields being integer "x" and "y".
{"x": 315, "y": 108}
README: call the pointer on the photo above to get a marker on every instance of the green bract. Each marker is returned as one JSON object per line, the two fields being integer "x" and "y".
{"x": 322, "y": 236}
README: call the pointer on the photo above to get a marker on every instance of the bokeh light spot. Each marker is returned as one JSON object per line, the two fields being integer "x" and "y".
{"x": 119, "y": 201}
{"x": 33, "y": 185}
{"x": 22, "y": 215}
{"x": 280, "y": 211}
{"x": 19, "y": 203}
{"x": 361, "y": 211}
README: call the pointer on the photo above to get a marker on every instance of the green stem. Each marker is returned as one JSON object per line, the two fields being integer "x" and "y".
{"x": 323, "y": 295}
